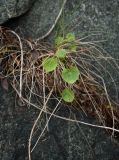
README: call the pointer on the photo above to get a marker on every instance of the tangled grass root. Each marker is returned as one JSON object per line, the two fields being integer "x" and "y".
{"x": 21, "y": 64}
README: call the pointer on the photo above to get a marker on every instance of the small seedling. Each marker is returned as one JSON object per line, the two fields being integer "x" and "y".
{"x": 50, "y": 64}
{"x": 59, "y": 40}
{"x": 61, "y": 53}
{"x": 70, "y": 37}
{"x": 67, "y": 95}
{"x": 69, "y": 75}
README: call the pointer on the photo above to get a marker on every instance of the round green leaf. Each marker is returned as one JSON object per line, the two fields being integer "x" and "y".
{"x": 67, "y": 95}
{"x": 59, "y": 40}
{"x": 73, "y": 47}
{"x": 61, "y": 53}
{"x": 70, "y": 37}
{"x": 70, "y": 75}
{"x": 50, "y": 64}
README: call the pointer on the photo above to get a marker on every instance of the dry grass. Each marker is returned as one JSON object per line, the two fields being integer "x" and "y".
{"x": 21, "y": 63}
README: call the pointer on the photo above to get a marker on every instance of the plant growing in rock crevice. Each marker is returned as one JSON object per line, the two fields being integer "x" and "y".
{"x": 70, "y": 75}
{"x": 32, "y": 68}
{"x": 67, "y": 67}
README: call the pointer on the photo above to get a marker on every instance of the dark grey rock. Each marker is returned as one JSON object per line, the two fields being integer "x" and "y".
{"x": 13, "y": 8}
{"x": 97, "y": 21}
{"x": 64, "y": 140}
{"x": 39, "y": 19}
{"x": 15, "y": 126}
{"x": 95, "y": 17}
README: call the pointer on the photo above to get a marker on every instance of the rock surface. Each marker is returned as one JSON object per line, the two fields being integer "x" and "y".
{"x": 13, "y": 8}
{"x": 39, "y": 19}
{"x": 64, "y": 140}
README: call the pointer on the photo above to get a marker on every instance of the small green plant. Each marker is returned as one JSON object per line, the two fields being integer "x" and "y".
{"x": 61, "y": 53}
{"x": 67, "y": 95}
{"x": 64, "y": 46}
{"x": 70, "y": 75}
{"x": 50, "y": 64}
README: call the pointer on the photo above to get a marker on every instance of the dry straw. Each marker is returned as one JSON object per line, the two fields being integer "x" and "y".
{"x": 21, "y": 64}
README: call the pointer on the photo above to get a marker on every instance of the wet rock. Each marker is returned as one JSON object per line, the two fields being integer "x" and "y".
{"x": 13, "y": 8}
